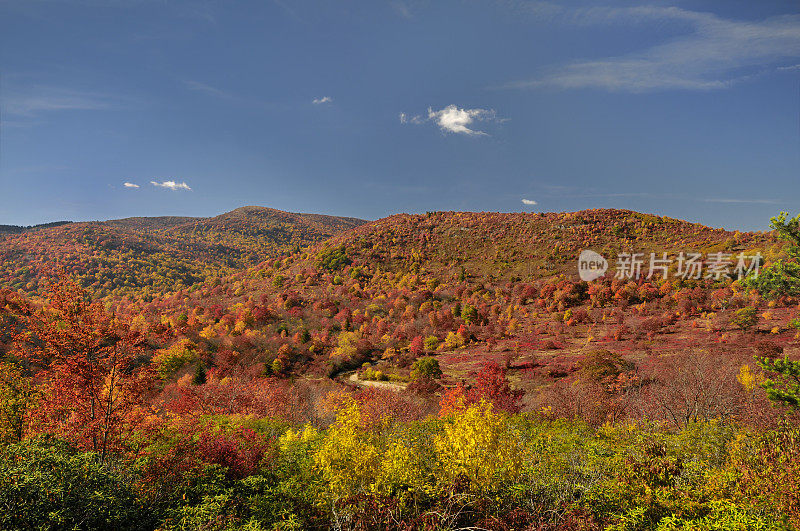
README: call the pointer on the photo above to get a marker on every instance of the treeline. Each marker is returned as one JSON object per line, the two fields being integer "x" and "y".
{"x": 15, "y": 229}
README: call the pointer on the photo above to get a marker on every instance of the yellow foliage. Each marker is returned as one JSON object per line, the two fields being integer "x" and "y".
{"x": 139, "y": 323}
{"x": 169, "y": 360}
{"x": 479, "y": 444}
{"x": 348, "y": 459}
{"x": 347, "y": 346}
{"x": 291, "y": 437}
{"x": 453, "y": 341}
{"x": 17, "y": 397}
{"x": 399, "y": 469}
{"x": 240, "y": 327}
{"x": 208, "y": 332}
{"x": 748, "y": 379}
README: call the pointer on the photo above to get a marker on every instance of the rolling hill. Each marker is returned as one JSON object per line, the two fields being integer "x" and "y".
{"x": 151, "y": 255}
{"x": 531, "y": 245}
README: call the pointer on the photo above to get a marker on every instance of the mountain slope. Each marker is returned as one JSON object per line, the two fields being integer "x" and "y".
{"x": 392, "y": 289}
{"x": 532, "y": 244}
{"x": 151, "y": 255}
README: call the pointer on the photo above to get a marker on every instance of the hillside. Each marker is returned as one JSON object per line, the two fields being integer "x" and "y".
{"x": 525, "y": 245}
{"x": 16, "y": 229}
{"x": 147, "y": 256}
{"x": 397, "y": 281}
{"x": 406, "y": 357}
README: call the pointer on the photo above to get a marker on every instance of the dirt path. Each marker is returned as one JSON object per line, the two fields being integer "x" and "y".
{"x": 392, "y": 386}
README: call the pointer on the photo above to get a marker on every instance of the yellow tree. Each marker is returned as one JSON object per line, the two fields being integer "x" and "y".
{"x": 480, "y": 445}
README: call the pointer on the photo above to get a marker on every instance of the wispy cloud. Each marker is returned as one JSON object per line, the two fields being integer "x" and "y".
{"x": 324, "y": 99}
{"x": 289, "y": 11}
{"x": 401, "y": 8}
{"x": 37, "y": 100}
{"x": 172, "y": 185}
{"x": 207, "y": 89}
{"x": 453, "y": 119}
{"x": 737, "y": 201}
{"x": 407, "y": 119}
{"x": 529, "y": 202}
{"x": 130, "y": 185}
{"x": 714, "y": 53}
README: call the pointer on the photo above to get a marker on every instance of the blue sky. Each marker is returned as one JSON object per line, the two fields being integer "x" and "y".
{"x": 366, "y": 109}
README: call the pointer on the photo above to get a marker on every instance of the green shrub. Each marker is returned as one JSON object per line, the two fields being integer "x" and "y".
{"x": 46, "y": 484}
{"x": 427, "y": 367}
{"x": 333, "y": 259}
{"x": 431, "y": 343}
{"x": 745, "y": 318}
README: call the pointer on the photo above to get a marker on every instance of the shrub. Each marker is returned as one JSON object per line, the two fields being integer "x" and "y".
{"x": 168, "y": 361}
{"x": 47, "y": 484}
{"x": 427, "y": 367}
{"x": 431, "y": 343}
{"x": 469, "y": 313}
{"x": 478, "y": 444}
{"x": 239, "y": 451}
{"x": 333, "y": 259}
{"x": 745, "y": 318}
{"x": 600, "y": 365}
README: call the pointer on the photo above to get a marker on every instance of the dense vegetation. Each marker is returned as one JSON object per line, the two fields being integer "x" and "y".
{"x": 440, "y": 371}
{"x": 147, "y": 256}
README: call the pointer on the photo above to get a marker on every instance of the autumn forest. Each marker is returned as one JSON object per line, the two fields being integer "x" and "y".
{"x": 265, "y": 370}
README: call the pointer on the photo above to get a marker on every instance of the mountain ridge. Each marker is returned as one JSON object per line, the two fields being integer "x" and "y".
{"x": 151, "y": 254}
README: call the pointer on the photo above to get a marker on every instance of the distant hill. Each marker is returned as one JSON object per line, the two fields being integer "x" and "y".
{"x": 16, "y": 229}
{"x": 378, "y": 291}
{"x": 530, "y": 244}
{"x": 148, "y": 256}
{"x": 154, "y": 223}
{"x": 152, "y": 254}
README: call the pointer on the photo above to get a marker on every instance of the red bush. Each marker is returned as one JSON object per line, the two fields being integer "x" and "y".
{"x": 240, "y": 451}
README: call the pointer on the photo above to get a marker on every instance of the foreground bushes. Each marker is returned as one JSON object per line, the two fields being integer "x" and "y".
{"x": 45, "y": 484}
{"x": 473, "y": 467}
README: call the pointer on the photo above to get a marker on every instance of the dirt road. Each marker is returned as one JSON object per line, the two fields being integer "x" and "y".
{"x": 392, "y": 386}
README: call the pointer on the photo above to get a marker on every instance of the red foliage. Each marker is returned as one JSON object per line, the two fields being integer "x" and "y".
{"x": 241, "y": 451}
{"x": 381, "y": 405}
{"x": 416, "y": 346}
{"x": 491, "y": 384}
{"x": 262, "y": 397}
{"x": 94, "y": 388}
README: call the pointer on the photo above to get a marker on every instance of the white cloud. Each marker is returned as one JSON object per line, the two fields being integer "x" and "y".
{"x": 324, "y": 99}
{"x": 172, "y": 185}
{"x": 406, "y": 119}
{"x": 452, "y": 119}
{"x": 130, "y": 185}
{"x": 529, "y": 202}
{"x": 714, "y": 52}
